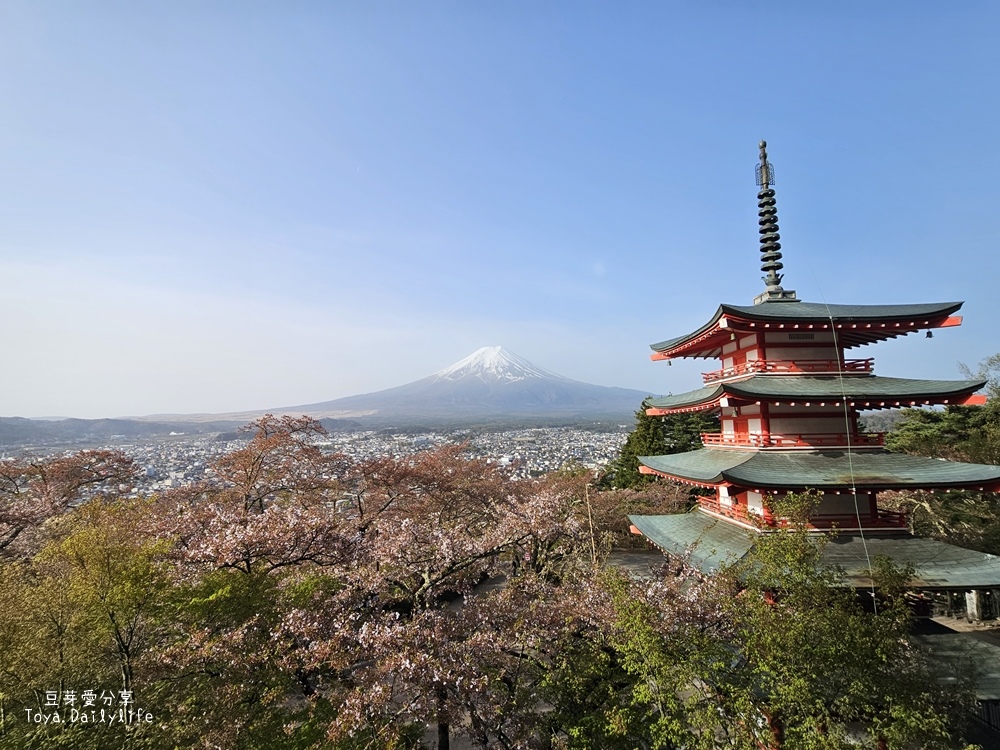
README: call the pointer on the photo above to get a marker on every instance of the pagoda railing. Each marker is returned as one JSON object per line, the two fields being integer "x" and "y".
{"x": 803, "y": 440}
{"x": 736, "y": 512}
{"x": 791, "y": 367}
{"x": 882, "y": 519}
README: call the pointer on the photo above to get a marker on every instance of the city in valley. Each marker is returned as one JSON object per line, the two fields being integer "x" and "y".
{"x": 180, "y": 460}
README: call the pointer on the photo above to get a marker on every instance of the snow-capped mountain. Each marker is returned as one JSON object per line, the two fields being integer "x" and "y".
{"x": 491, "y": 384}
{"x": 494, "y": 364}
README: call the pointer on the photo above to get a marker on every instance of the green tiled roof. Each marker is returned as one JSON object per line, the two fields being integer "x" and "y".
{"x": 961, "y": 656}
{"x": 822, "y": 387}
{"x": 825, "y": 469}
{"x": 705, "y": 395}
{"x": 709, "y": 542}
{"x": 841, "y": 313}
{"x": 938, "y": 565}
{"x": 707, "y": 466}
{"x": 662, "y": 346}
{"x": 819, "y": 312}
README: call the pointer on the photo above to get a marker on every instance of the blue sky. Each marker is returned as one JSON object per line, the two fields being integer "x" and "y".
{"x": 210, "y": 207}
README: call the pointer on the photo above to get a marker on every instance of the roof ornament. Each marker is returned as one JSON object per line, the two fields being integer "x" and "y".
{"x": 770, "y": 248}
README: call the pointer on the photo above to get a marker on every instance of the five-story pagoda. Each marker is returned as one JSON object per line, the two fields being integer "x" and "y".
{"x": 788, "y": 396}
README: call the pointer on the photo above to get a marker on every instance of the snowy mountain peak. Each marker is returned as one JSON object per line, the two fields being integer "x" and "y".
{"x": 494, "y": 364}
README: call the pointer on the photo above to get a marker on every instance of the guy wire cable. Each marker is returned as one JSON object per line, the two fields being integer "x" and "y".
{"x": 850, "y": 454}
{"x": 770, "y": 256}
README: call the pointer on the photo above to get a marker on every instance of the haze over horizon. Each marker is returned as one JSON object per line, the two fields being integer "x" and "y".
{"x": 493, "y": 365}
{"x": 228, "y": 207}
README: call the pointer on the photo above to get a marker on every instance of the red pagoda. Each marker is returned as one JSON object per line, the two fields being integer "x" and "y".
{"x": 788, "y": 396}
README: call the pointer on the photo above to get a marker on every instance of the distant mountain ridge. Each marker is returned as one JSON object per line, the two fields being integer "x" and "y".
{"x": 18, "y": 432}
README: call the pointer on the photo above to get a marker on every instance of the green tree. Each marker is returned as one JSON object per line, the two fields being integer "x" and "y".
{"x": 778, "y": 652}
{"x": 80, "y": 615}
{"x": 956, "y": 433}
{"x": 656, "y": 436}
{"x": 813, "y": 661}
{"x": 673, "y": 650}
{"x": 988, "y": 370}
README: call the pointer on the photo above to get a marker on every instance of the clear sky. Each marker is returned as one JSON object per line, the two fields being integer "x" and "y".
{"x": 210, "y": 207}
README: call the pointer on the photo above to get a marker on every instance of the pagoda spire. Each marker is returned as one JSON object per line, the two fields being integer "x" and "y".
{"x": 770, "y": 248}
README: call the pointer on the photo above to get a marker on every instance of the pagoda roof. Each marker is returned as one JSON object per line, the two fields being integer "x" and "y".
{"x": 706, "y": 541}
{"x": 872, "y": 390}
{"x": 856, "y": 325}
{"x": 958, "y": 656}
{"x": 709, "y": 542}
{"x": 821, "y": 470}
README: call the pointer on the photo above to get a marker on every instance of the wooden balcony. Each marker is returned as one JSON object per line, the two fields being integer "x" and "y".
{"x": 792, "y": 367}
{"x": 883, "y": 519}
{"x": 804, "y": 440}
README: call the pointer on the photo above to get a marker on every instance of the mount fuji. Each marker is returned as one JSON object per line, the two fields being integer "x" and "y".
{"x": 490, "y": 385}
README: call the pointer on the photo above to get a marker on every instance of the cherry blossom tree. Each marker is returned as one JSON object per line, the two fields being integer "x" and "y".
{"x": 34, "y": 489}
{"x": 258, "y": 543}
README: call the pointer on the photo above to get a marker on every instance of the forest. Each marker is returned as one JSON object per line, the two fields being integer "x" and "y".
{"x": 303, "y": 600}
